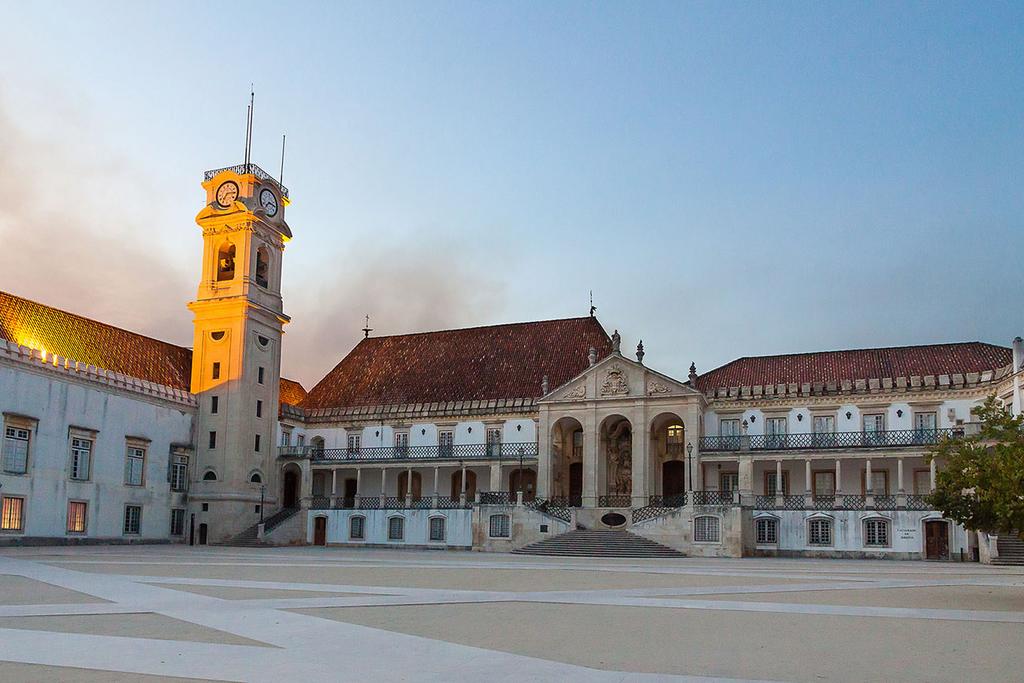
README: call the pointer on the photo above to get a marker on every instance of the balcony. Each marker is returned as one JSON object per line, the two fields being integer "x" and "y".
{"x": 506, "y": 452}
{"x": 833, "y": 440}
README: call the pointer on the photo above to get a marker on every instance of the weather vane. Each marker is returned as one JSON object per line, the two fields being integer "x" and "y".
{"x": 367, "y": 330}
{"x": 593, "y": 308}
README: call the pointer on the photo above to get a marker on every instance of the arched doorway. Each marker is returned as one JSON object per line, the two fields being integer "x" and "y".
{"x": 403, "y": 485}
{"x": 290, "y": 484}
{"x": 203, "y": 531}
{"x": 567, "y": 460}
{"x": 527, "y": 479}
{"x": 668, "y": 456}
{"x": 615, "y": 474}
{"x": 936, "y": 539}
{"x": 320, "y": 531}
{"x": 470, "y": 484}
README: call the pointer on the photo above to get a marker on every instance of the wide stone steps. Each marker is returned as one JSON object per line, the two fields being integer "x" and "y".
{"x": 1011, "y": 551}
{"x": 598, "y": 543}
{"x": 248, "y": 537}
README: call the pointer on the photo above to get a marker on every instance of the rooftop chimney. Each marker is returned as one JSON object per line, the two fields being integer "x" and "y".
{"x": 1018, "y": 353}
{"x": 593, "y": 356}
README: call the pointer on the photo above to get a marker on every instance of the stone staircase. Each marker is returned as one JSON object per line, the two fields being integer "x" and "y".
{"x": 1011, "y": 550}
{"x": 248, "y": 538}
{"x": 598, "y": 543}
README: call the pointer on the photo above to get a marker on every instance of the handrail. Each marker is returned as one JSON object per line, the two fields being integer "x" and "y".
{"x": 509, "y": 452}
{"x": 829, "y": 440}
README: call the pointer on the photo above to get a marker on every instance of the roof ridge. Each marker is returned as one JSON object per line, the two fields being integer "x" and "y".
{"x": 870, "y": 348}
{"x": 484, "y": 327}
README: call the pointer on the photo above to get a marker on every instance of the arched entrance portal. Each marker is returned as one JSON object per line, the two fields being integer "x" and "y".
{"x": 617, "y": 463}
{"x": 290, "y": 486}
{"x": 203, "y": 531}
{"x": 668, "y": 455}
{"x": 567, "y": 460}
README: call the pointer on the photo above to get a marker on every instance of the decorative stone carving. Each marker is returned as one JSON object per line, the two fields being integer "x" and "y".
{"x": 616, "y": 341}
{"x": 655, "y": 387}
{"x": 615, "y": 383}
{"x": 578, "y": 392}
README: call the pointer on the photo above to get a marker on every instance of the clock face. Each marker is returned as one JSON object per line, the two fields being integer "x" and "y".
{"x": 227, "y": 193}
{"x": 269, "y": 202}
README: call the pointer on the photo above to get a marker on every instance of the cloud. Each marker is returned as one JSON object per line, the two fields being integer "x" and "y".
{"x": 399, "y": 287}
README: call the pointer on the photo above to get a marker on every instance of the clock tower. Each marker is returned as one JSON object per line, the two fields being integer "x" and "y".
{"x": 236, "y": 358}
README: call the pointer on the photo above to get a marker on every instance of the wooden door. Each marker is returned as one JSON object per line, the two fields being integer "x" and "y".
{"x": 403, "y": 484}
{"x": 291, "y": 489}
{"x": 673, "y": 482}
{"x": 470, "y": 485}
{"x": 349, "y": 501}
{"x": 576, "y": 481}
{"x": 527, "y": 479}
{"x": 202, "y": 534}
{"x": 320, "y": 531}
{"x": 936, "y": 539}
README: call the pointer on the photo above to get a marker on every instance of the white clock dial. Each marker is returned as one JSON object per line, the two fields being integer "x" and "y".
{"x": 268, "y": 200}
{"x": 227, "y": 193}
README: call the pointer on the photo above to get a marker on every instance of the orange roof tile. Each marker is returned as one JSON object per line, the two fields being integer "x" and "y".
{"x": 292, "y": 392}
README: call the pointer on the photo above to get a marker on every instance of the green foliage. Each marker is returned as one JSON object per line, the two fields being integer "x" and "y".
{"x": 981, "y": 481}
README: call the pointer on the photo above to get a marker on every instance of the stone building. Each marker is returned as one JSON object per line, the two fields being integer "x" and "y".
{"x": 493, "y": 438}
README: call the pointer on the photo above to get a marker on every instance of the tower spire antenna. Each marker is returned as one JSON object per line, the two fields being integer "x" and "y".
{"x": 248, "y": 126}
{"x": 367, "y": 330}
{"x": 281, "y": 176}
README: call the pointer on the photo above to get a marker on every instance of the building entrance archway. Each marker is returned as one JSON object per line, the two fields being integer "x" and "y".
{"x": 290, "y": 487}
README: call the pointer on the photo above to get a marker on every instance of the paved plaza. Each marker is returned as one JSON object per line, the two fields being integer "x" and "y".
{"x": 172, "y": 613}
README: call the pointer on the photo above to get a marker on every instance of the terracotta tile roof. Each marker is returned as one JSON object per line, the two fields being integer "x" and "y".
{"x": 478, "y": 363}
{"x": 836, "y": 366}
{"x": 292, "y": 392}
{"x": 89, "y": 341}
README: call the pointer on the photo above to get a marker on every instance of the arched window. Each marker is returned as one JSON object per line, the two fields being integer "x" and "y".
{"x": 262, "y": 267}
{"x": 674, "y": 437}
{"x": 210, "y": 475}
{"x": 706, "y": 529}
{"x": 317, "y": 442}
{"x": 876, "y": 533}
{"x": 396, "y": 528}
{"x": 819, "y": 532}
{"x": 499, "y": 526}
{"x": 226, "y": 262}
{"x": 256, "y": 478}
{"x": 767, "y": 529}
{"x": 357, "y": 528}
{"x": 437, "y": 528}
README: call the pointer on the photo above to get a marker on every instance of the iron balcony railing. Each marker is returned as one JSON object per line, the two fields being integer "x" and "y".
{"x": 247, "y": 169}
{"x": 843, "y": 502}
{"x": 782, "y": 442}
{"x": 509, "y": 452}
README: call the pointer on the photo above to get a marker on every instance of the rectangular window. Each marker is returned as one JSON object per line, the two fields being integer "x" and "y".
{"x": 256, "y": 444}
{"x": 356, "y": 528}
{"x": 179, "y": 473}
{"x": 728, "y": 481}
{"x": 874, "y": 430}
{"x": 705, "y": 529}
{"x": 819, "y": 532}
{"x": 824, "y": 483}
{"x": 259, "y": 408}
{"x": 824, "y": 430}
{"x": 445, "y": 442}
{"x": 76, "y": 517}
{"x": 355, "y": 442}
{"x": 177, "y": 522}
{"x": 81, "y": 455}
{"x": 213, "y": 439}
{"x": 302, "y": 440}
{"x": 16, "y": 442}
{"x": 499, "y": 526}
{"x": 879, "y": 482}
{"x": 925, "y": 422}
{"x": 437, "y": 528}
{"x": 922, "y": 482}
{"x": 214, "y": 401}
{"x": 767, "y": 531}
{"x": 259, "y": 375}
{"x": 402, "y": 442}
{"x": 134, "y": 466}
{"x": 775, "y": 432}
{"x": 396, "y": 529}
{"x": 286, "y": 437}
{"x": 494, "y": 442}
{"x": 11, "y": 517}
{"x": 730, "y": 427}
{"x": 132, "y": 519}
{"x": 771, "y": 486}
{"x": 577, "y": 445}
{"x": 216, "y": 370}
{"x": 876, "y": 533}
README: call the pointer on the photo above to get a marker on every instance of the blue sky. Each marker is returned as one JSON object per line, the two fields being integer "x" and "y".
{"x": 730, "y": 179}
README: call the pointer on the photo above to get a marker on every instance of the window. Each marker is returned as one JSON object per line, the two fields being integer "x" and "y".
{"x": 354, "y": 443}
{"x": 226, "y": 262}
{"x": 132, "y": 519}
{"x": 301, "y": 440}
{"x": 76, "y": 517}
{"x": 445, "y": 442}
{"x": 819, "y": 532}
{"x": 925, "y": 421}
{"x": 259, "y": 408}
{"x": 499, "y": 526}
{"x": 286, "y": 437}
{"x": 262, "y": 266}
{"x": 210, "y": 476}
{"x": 357, "y": 528}
{"x": 494, "y": 442}
{"x": 874, "y": 430}
{"x": 729, "y": 431}
{"x": 771, "y": 487}
{"x": 402, "y": 442}
{"x": 16, "y": 450}
{"x": 11, "y": 517}
{"x": 256, "y": 478}
{"x": 179, "y": 473}
{"x": 876, "y": 533}
{"x": 705, "y": 529}
{"x": 213, "y": 439}
{"x": 216, "y": 370}
{"x": 396, "y": 528}
{"x": 577, "y": 445}
{"x": 206, "y": 507}
{"x": 134, "y": 466}
{"x": 824, "y": 484}
{"x": 214, "y": 401}
{"x": 259, "y": 375}
{"x": 824, "y": 430}
{"x": 256, "y": 444}
{"x": 922, "y": 482}
{"x": 81, "y": 454}
{"x": 879, "y": 482}
{"x": 728, "y": 481}
{"x": 674, "y": 440}
{"x": 767, "y": 531}
{"x": 437, "y": 528}
{"x": 178, "y": 522}
{"x": 775, "y": 432}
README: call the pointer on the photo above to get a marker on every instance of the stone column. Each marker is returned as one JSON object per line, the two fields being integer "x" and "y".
{"x": 839, "y": 481}
{"x": 383, "y": 486}
{"x": 931, "y": 475}
{"x": 869, "y": 487}
{"x": 334, "y": 487}
{"x": 640, "y": 454}
{"x": 495, "y": 484}
{"x": 437, "y": 481}
{"x": 408, "y": 487}
{"x": 359, "y": 487}
{"x": 808, "y": 484}
{"x": 544, "y": 470}
{"x": 462, "y": 486}
{"x": 901, "y": 493}
{"x": 746, "y": 480}
{"x": 780, "y": 490}
{"x": 590, "y": 446}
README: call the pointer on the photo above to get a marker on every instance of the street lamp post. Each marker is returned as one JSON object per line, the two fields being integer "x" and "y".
{"x": 521, "y": 453}
{"x": 689, "y": 466}
{"x": 263, "y": 488}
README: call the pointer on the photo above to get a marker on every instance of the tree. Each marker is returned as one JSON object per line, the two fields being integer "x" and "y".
{"x": 981, "y": 484}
